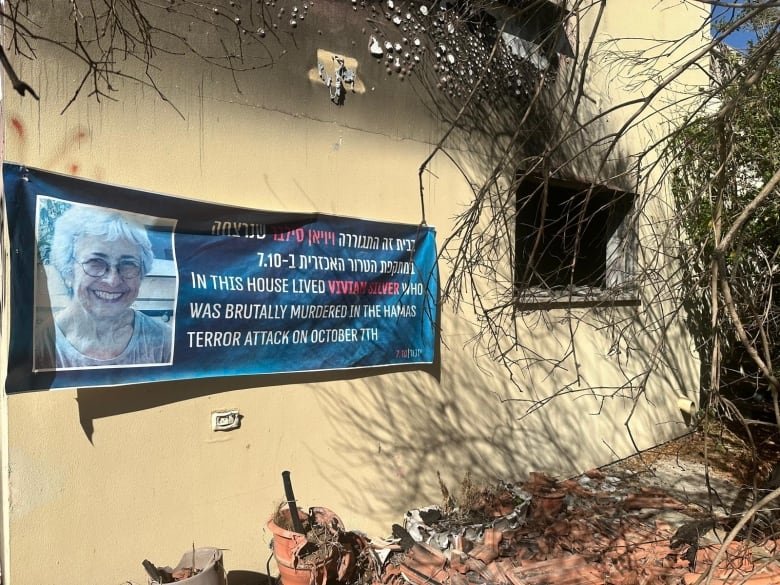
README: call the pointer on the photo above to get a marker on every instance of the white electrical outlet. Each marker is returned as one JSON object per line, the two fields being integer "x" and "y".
{"x": 225, "y": 420}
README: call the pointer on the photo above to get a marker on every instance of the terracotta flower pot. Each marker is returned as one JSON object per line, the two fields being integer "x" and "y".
{"x": 287, "y": 545}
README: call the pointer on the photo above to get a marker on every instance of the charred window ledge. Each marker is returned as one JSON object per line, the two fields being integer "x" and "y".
{"x": 540, "y": 300}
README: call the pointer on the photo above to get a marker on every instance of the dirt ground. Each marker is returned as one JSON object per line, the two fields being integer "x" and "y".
{"x": 706, "y": 467}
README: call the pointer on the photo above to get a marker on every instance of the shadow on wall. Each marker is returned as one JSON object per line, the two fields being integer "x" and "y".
{"x": 97, "y": 403}
{"x": 403, "y": 431}
{"x": 419, "y": 429}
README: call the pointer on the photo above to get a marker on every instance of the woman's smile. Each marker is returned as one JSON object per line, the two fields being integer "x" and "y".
{"x": 108, "y": 296}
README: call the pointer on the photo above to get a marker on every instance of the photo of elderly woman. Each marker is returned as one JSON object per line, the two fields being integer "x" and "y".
{"x": 93, "y": 264}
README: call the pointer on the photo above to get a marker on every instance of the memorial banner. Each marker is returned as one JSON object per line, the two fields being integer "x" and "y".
{"x": 114, "y": 286}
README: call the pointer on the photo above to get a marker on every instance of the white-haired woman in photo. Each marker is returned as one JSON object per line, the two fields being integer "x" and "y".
{"x": 102, "y": 257}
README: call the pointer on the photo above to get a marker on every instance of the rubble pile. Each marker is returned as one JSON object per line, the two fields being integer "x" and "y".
{"x": 579, "y": 531}
{"x": 595, "y": 529}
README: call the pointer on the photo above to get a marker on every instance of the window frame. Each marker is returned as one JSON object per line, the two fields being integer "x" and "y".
{"x": 614, "y": 283}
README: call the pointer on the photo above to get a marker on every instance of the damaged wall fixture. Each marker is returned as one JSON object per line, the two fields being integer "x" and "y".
{"x": 341, "y": 77}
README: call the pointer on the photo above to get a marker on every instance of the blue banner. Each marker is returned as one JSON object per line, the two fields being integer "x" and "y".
{"x": 116, "y": 286}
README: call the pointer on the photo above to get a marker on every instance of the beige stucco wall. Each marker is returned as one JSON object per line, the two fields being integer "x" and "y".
{"x": 98, "y": 479}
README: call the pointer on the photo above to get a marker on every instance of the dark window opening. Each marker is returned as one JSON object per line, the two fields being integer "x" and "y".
{"x": 572, "y": 236}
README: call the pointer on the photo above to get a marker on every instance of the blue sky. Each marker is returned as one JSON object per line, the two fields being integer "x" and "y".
{"x": 739, "y": 39}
